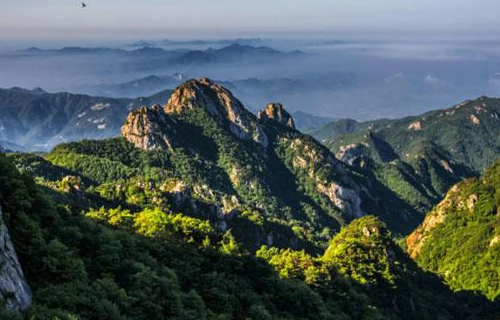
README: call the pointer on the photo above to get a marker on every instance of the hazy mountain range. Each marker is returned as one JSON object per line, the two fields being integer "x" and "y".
{"x": 37, "y": 120}
{"x": 231, "y": 53}
{"x": 339, "y": 79}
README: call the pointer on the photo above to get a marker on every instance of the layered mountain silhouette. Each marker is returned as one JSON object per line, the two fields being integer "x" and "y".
{"x": 156, "y": 55}
{"x": 36, "y": 120}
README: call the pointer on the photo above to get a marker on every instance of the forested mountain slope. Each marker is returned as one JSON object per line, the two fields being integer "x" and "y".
{"x": 460, "y": 238}
{"x": 89, "y": 264}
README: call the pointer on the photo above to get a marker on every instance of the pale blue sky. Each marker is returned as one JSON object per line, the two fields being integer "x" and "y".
{"x": 63, "y": 19}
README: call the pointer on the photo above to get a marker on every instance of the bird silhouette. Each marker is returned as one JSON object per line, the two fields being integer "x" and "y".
{"x": 84, "y": 5}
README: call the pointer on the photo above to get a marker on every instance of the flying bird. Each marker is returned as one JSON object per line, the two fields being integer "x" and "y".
{"x": 84, "y": 5}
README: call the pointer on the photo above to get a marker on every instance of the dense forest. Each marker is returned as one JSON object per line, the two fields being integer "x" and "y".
{"x": 85, "y": 263}
{"x": 460, "y": 238}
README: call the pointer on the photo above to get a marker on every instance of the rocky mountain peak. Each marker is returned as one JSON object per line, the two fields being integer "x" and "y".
{"x": 220, "y": 104}
{"x": 149, "y": 128}
{"x": 276, "y": 112}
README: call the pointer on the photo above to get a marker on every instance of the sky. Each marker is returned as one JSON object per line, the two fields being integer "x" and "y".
{"x": 112, "y": 19}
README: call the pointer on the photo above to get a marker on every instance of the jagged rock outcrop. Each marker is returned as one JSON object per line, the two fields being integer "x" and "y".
{"x": 149, "y": 128}
{"x": 14, "y": 289}
{"x": 276, "y": 112}
{"x": 220, "y": 104}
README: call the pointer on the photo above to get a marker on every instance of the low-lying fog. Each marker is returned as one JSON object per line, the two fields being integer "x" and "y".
{"x": 362, "y": 79}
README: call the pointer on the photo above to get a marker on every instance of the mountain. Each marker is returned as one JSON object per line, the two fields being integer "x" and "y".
{"x": 252, "y": 92}
{"x": 305, "y": 121}
{"x": 222, "y": 42}
{"x": 298, "y": 93}
{"x": 36, "y": 120}
{"x": 141, "y": 52}
{"x": 277, "y": 157}
{"x": 140, "y": 44}
{"x": 333, "y": 129}
{"x": 459, "y": 239}
{"x": 136, "y": 88}
{"x": 158, "y": 57}
{"x": 232, "y": 53}
{"x": 467, "y": 132}
{"x": 71, "y": 51}
{"x": 421, "y": 157}
{"x": 256, "y": 175}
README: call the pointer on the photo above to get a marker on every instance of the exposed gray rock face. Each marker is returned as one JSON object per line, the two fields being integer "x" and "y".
{"x": 276, "y": 112}
{"x": 353, "y": 154}
{"x": 14, "y": 290}
{"x": 346, "y": 199}
{"x": 220, "y": 104}
{"x": 149, "y": 129}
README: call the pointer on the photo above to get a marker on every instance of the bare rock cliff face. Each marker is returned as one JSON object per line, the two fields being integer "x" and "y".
{"x": 220, "y": 104}
{"x": 149, "y": 129}
{"x": 276, "y": 112}
{"x": 14, "y": 290}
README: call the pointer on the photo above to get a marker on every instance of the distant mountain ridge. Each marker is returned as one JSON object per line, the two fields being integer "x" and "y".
{"x": 195, "y": 42}
{"x": 135, "y": 88}
{"x": 229, "y": 53}
{"x": 305, "y": 121}
{"x": 36, "y": 120}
